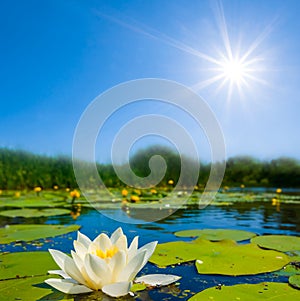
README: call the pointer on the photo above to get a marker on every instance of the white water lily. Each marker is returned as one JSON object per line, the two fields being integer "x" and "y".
{"x": 106, "y": 264}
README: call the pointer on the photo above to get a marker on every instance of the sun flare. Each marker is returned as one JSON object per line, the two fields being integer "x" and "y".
{"x": 234, "y": 71}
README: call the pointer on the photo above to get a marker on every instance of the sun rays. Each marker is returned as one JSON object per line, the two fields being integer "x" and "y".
{"x": 232, "y": 68}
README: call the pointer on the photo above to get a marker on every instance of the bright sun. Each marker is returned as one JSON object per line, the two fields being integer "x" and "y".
{"x": 234, "y": 67}
{"x": 234, "y": 71}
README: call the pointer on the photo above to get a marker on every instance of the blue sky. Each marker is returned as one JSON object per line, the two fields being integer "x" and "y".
{"x": 57, "y": 56}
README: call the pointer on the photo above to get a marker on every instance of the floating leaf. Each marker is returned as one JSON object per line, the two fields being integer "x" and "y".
{"x": 21, "y": 264}
{"x": 34, "y": 212}
{"x": 22, "y": 276}
{"x": 217, "y": 234}
{"x": 249, "y": 292}
{"x": 224, "y": 257}
{"x": 137, "y": 287}
{"x": 33, "y": 203}
{"x": 237, "y": 260}
{"x": 295, "y": 281}
{"x": 13, "y": 233}
{"x": 288, "y": 270}
{"x": 175, "y": 252}
{"x": 29, "y": 289}
{"x": 281, "y": 243}
{"x": 25, "y": 289}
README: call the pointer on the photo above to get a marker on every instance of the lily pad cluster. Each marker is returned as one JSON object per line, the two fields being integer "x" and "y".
{"x": 214, "y": 253}
{"x": 250, "y": 292}
{"x": 224, "y": 257}
{"x": 217, "y": 234}
{"x": 16, "y": 233}
{"x": 29, "y": 212}
{"x": 22, "y": 276}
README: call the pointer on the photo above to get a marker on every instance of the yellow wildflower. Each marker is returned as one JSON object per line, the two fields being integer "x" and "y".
{"x": 124, "y": 192}
{"x": 75, "y": 193}
{"x": 134, "y": 198}
{"x": 37, "y": 189}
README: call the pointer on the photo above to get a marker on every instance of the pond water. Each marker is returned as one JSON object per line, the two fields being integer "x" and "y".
{"x": 258, "y": 217}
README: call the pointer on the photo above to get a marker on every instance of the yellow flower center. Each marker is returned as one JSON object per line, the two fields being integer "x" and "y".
{"x": 108, "y": 253}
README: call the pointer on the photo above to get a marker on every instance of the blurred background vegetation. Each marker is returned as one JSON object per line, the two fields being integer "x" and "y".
{"x": 23, "y": 170}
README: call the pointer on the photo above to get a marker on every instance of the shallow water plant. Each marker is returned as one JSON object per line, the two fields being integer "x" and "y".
{"x": 249, "y": 292}
{"x": 283, "y": 243}
{"x": 216, "y": 234}
{"x": 106, "y": 263}
{"x": 225, "y": 257}
{"x": 16, "y": 233}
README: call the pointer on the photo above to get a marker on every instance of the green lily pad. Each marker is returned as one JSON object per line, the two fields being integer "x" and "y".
{"x": 224, "y": 257}
{"x": 137, "y": 287}
{"x": 281, "y": 243}
{"x": 249, "y": 292}
{"x": 238, "y": 260}
{"x": 14, "y": 233}
{"x": 288, "y": 270}
{"x": 22, "y": 276}
{"x": 25, "y": 289}
{"x": 21, "y": 264}
{"x": 28, "y": 289}
{"x": 217, "y": 234}
{"x": 175, "y": 252}
{"x": 27, "y": 212}
{"x": 32, "y": 203}
{"x": 295, "y": 281}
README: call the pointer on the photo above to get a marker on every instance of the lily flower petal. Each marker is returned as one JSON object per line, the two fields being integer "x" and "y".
{"x": 60, "y": 273}
{"x": 82, "y": 268}
{"x": 121, "y": 243}
{"x": 157, "y": 279}
{"x": 117, "y": 264}
{"x": 133, "y": 267}
{"x": 117, "y": 289}
{"x": 115, "y": 236}
{"x": 83, "y": 239}
{"x": 80, "y": 248}
{"x": 97, "y": 269}
{"x": 67, "y": 286}
{"x": 102, "y": 242}
{"x": 150, "y": 247}
{"x": 132, "y": 248}
{"x": 67, "y": 264}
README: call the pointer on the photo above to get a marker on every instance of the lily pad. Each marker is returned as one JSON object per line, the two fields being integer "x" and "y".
{"x": 22, "y": 277}
{"x": 21, "y": 264}
{"x": 28, "y": 289}
{"x": 32, "y": 203}
{"x": 217, "y": 234}
{"x": 249, "y": 292}
{"x": 283, "y": 243}
{"x": 175, "y": 252}
{"x": 27, "y": 212}
{"x": 295, "y": 281}
{"x": 288, "y": 270}
{"x": 25, "y": 289}
{"x": 14, "y": 233}
{"x": 137, "y": 287}
{"x": 224, "y": 257}
{"x": 235, "y": 260}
